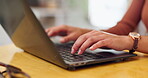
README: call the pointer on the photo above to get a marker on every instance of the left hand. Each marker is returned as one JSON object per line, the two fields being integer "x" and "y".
{"x": 96, "y": 39}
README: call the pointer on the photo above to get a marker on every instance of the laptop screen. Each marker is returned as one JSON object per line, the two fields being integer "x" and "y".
{"x": 11, "y": 13}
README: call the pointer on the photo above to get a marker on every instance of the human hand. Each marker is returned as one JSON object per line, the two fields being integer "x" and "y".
{"x": 69, "y": 33}
{"x": 97, "y": 39}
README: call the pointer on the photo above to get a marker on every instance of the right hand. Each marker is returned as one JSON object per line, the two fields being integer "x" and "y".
{"x": 69, "y": 33}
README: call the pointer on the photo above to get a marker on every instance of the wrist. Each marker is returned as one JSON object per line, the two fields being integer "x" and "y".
{"x": 135, "y": 37}
{"x": 129, "y": 42}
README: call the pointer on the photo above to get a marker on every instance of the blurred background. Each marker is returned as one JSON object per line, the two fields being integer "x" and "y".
{"x": 93, "y": 14}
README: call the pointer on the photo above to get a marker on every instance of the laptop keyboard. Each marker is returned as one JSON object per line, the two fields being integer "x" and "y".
{"x": 66, "y": 55}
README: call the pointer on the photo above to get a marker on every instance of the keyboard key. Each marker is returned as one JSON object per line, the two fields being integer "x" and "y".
{"x": 65, "y": 50}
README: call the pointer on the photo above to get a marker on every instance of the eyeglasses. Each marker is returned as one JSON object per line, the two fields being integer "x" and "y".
{"x": 12, "y": 72}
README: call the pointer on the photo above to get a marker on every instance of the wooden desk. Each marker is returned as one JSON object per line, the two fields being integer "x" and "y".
{"x": 136, "y": 67}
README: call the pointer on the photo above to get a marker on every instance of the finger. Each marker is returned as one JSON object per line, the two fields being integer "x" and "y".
{"x": 70, "y": 37}
{"x": 83, "y": 38}
{"x": 47, "y": 30}
{"x": 56, "y": 30}
{"x": 79, "y": 42}
{"x": 51, "y": 33}
{"x": 101, "y": 43}
{"x": 88, "y": 43}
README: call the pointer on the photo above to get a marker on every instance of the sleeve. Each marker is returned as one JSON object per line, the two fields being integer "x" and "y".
{"x": 130, "y": 19}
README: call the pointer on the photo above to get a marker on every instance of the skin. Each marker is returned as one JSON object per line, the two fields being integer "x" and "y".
{"x": 92, "y": 39}
{"x": 96, "y": 39}
{"x": 69, "y": 33}
{"x": 85, "y": 38}
{"x": 143, "y": 44}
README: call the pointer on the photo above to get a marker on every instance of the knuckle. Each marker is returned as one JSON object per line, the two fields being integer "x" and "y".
{"x": 83, "y": 37}
{"x": 75, "y": 46}
{"x": 109, "y": 41}
{"x": 92, "y": 38}
{"x": 103, "y": 42}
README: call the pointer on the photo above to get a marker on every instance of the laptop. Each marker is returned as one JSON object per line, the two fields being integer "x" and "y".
{"x": 27, "y": 33}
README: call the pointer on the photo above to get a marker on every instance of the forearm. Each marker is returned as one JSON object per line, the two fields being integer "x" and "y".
{"x": 143, "y": 44}
{"x": 130, "y": 20}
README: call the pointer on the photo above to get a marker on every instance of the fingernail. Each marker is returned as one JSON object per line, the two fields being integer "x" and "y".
{"x": 72, "y": 51}
{"x": 91, "y": 48}
{"x": 80, "y": 52}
